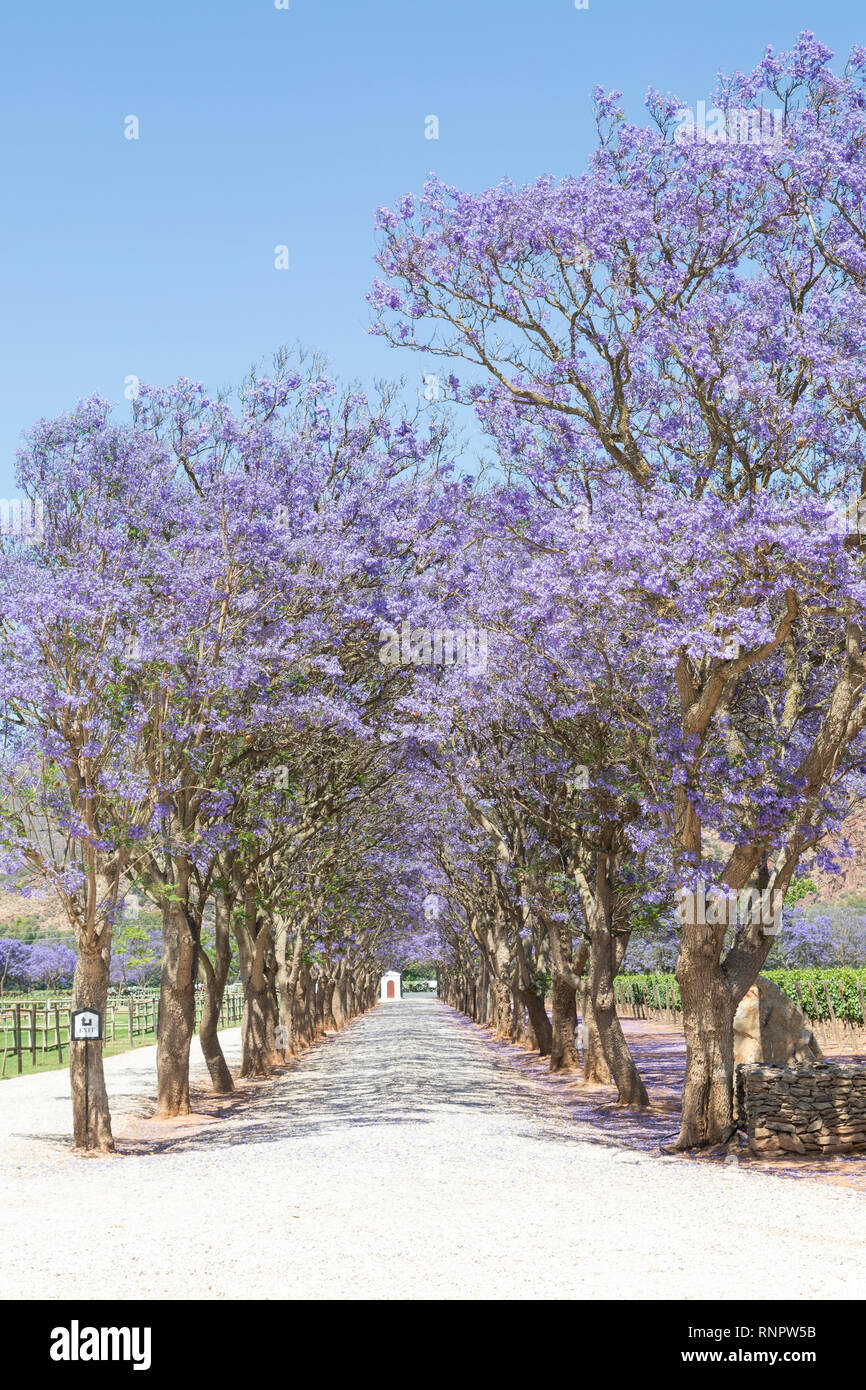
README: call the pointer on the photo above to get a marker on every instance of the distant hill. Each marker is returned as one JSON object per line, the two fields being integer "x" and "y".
{"x": 45, "y": 914}
{"x": 851, "y": 881}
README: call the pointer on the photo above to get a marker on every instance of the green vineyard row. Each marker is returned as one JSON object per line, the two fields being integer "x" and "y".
{"x": 821, "y": 993}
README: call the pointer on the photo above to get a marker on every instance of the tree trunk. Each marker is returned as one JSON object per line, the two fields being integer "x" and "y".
{"x": 214, "y": 978}
{"x": 595, "y": 1068}
{"x": 287, "y": 980}
{"x": 518, "y": 1014}
{"x": 319, "y": 1007}
{"x": 502, "y": 1008}
{"x": 309, "y": 1003}
{"x": 711, "y": 990}
{"x": 258, "y": 1025}
{"x": 350, "y": 995}
{"x": 563, "y": 1052}
{"x": 603, "y": 1031}
{"x": 340, "y": 1001}
{"x": 605, "y": 1047}
{"x": 90, "y": 991}
{"x": 302, "y": 1031}
{"x": 176, "y": 1023}
{"x": 330, "y": 986}
{"x": 708, "y": 1023}
{"x": 258, "y": 1022}
{"x": 538, "y": 1021}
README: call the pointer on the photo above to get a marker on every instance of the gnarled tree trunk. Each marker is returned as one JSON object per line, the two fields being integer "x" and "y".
{"x": 540, "y": 1033}
{"x": 711, "y": 990}
{"x": 258, "y": 1023}
{"x": 605, "y": 1042}
{"x": 176, "y": 1023}
{"x": 708, "y": 1024}
{"x": 518, "y": 1012}
{"x": 563, "y": 1052}
{"x": 340, "y": 1000}
{"x": 565, "y": 983}
{"x": 329, "y": 987}
{"x": 214, "y": 978}
{"x": 303, "y": 1032}
{"x": 90, "y": 991}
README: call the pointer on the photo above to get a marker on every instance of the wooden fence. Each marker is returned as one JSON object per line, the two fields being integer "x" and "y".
{"x": 662, "y": 1005}
{"x": 39, "y": 1031}
{"x": 830, "y": 1031}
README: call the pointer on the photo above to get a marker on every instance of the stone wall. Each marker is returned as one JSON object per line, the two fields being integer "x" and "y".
{"x": 818, "y": 1109}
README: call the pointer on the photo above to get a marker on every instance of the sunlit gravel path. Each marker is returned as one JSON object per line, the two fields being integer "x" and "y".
{"x": 400, "y": 1159}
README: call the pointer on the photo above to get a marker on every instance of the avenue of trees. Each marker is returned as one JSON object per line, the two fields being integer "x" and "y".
{"x": 279, "y": 658}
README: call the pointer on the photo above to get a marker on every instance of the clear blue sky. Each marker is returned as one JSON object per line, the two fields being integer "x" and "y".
{"x": 261, "y": 126}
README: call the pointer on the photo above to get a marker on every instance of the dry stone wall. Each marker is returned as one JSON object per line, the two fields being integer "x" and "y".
{"x": 818, "y": 1109}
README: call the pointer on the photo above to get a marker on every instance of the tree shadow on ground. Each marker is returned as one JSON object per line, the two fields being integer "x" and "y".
{"x": 659, "y": 1053}
{"x": 394, "y": 1070}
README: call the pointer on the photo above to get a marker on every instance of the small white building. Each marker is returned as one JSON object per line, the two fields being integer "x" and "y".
{"x": 389, "y": 986}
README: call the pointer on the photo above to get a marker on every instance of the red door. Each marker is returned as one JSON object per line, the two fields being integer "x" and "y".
{"x": 390, "y": 992}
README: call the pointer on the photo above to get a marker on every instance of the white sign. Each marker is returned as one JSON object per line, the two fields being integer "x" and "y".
{"x": 85, "y": 1024}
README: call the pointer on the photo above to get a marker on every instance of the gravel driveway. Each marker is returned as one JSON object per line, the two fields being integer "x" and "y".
{"x": 400, "y": 1159}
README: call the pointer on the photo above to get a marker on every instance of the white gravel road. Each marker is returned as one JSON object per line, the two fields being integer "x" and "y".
{"x": 400, "y": 1159}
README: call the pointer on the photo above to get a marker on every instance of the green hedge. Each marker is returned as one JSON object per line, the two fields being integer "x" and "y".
{"x": 841, "y": 983}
